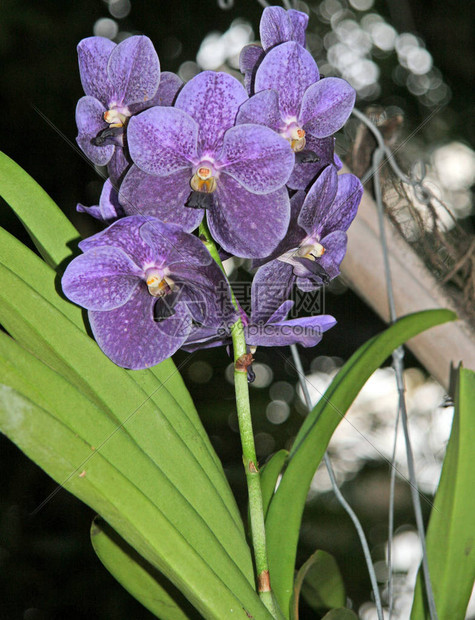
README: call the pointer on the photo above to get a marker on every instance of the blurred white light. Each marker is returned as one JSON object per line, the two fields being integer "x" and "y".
{"x": 106, "y": 27}
{"x": 419, "y": 61}
{"x": 455, "y": 165}
{"x": 361, "y": 5}
{"x": 405, "y": 42}
{"x": 277, "y": 411}
{"x": 384, "y": 36}
{"x": 119, "y": 8}
{"x": 282, "y": 390}
{"x": 406, "y": 551}
{"x": 212, "y": 52}
{"x": 264, "y": 375}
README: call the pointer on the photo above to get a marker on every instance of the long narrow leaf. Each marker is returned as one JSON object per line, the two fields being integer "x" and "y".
{"x": 137, "y": 576}
{"x": 451, "y": 532}
{"x": 286, "y": 508}
{"x": 50, "y": 230}
{"x": 58, "y": 450}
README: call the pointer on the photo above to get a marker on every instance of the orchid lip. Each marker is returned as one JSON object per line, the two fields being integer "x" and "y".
{"x": 204, "y": 178}
{"x": 295, "y": 135}
{"x": 158, "y": 283}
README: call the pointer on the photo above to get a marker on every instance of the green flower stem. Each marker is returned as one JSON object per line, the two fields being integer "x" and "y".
{"x": 241, "y": 362}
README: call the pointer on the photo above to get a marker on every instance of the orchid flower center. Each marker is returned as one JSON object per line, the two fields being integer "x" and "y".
{"x": 295, "y": 135}
{"x": 158, "y": 284}
{"x": 204, "y": 178}
{"x": 116, "y": 116}
{"x": 312, "y": 251}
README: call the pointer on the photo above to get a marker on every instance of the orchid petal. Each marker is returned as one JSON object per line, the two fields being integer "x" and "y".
{"x": 288, "y": 69}
{"x": 134, "y": 71}
{"x": 326, "y": 106}
{"x": 345, "y": 205}
{"x": 263, "y": 109}
{"x": 250, "y": 58}
{"x": 93, "y": 55}
{"x": 318, "y": 201}
{"x": 271, "y": 287}
{"x": 131, "y": 337}
{"x": 102, "y": 279}
{"x": 163, "y": 140}
{"x": 278, "y": 26}
{"x": 212, "y": 100}
{"x": 90, "y": 121}
{"x": 245, "y": 224}
{"x": 256, "y": 157}
{"x": 320, "y": 153}
{"x": 160, "y": 197}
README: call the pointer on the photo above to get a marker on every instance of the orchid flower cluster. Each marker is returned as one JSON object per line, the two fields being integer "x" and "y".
{"x": 251, "y": 166}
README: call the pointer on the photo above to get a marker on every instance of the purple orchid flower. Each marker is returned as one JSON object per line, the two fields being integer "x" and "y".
{"x": 292, "y": 100}
{"x": 263, "y": 330}
{"x": 311, "y": 253}
{"x": 194, "y": 155}
{"x": 108, "y": 208}
{"x": 144, "y": 284}
{"x": 277, "y": 26}
{"x": 119, "y": 81}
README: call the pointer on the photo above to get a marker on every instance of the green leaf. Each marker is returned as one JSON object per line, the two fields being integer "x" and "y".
{"x": 45, "y": 329}
{"x": 269, "y": 475}
{"x": 320, "y": 582}
{"x": 51, "y": 231}
{"x": 171, "y": 475}
{"x": 451, "y": 532}
{"x": 157, "y": 537}
{"x": 340, "y": 614}
{"x": 137, "y": 576}
{"x": 285, "y": 511}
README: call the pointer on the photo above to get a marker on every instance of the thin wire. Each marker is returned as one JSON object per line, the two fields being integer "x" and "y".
{"x": 398, "y": 365}
{"x": 392, "y": 486}
{"x": 338, "y": 494}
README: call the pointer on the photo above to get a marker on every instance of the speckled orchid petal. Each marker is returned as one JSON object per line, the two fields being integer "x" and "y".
{"x": 310, "y": 162}
{"x": 207, "y": 338}
{"x": 131, "y": 337}
{"x": 162, "y": 140}
{"x": 134, "y": 71}
{"x": 326, "y": 106}
{"x": 172, "y": 245}
{"x": 108, "y": 208}
{"x": 294, "y": 235}
{"x": 93, "y": 55}
{"x": 278, "y": 26}
{"x": 167, "y": 91}
{"x": 256, "y": 157}
{"x": 212, "y": 99}
{"x": 160, "y": 197}
{"x": 307, "y": 331}
{"x": 319, "y": 199}
{"x": 263, "y": 109}
{"x": 102, "y": 279}
{"x": 271, "y": 287}
{"x": 123, "y": 234}
{"x": 118, "y": 164}
{"x": 345, "y": 205}
{"x": 90, "y": 121}
{"x": 335, "y": 249}
{"x": 250, "y": 58}
{"x": 288, "y": 69}
{"x": 246, "y": 224}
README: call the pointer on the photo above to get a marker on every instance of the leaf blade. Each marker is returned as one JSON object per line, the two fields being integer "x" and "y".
{"x": 286, "y": 508}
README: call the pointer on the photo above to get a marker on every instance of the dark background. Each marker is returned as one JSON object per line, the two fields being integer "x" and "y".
{"x": 48, "y": 569}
